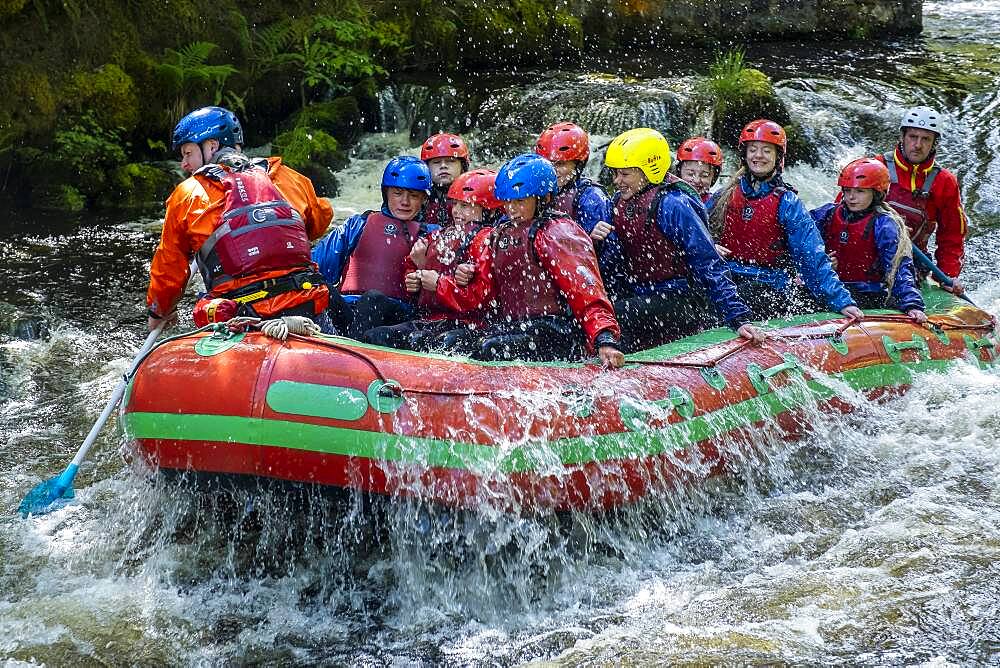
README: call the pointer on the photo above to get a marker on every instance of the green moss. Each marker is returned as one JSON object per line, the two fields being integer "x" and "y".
{"x": 137, "y": 185}
{"x": 34, "y": 99}
{"x": 108, "y": 93}
{"x": 11, "y": 7}
{"x": 58, "y": 197}
{"x": 314, "y": 153}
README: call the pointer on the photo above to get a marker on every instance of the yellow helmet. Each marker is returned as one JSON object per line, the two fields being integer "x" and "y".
{"x": 644, "y": 148}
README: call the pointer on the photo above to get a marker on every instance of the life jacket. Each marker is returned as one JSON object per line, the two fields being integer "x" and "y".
{"x": 567, "y": 201}
{"x": 448, "y": 249}
{"x": 438, "y": 209}
{"x": 525, "y": 289}
{"x": 912, "y": 204}
{"x": 853, "y": 244}
{"x": 377, "y": 260}
{"x": 258, "y": 230}
{"x": 650, "y": 257}
{"x": 751, "y": 230}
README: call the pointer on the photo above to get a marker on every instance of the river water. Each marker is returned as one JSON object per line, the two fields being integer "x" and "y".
{"x": 873, "y": 541}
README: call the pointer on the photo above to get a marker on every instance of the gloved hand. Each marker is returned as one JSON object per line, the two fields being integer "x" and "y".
{"x": 280, "y": 328}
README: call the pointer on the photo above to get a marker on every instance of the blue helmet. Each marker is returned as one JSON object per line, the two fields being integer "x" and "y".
{"x": 208, "y": 123}
{"x": 527, "y": 175}
{"x": 409, "y": 172}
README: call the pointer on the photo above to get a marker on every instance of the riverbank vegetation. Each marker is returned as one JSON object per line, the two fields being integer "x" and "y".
{"x": 92, "y": 89}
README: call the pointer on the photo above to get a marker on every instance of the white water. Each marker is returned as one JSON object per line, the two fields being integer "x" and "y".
{"x": 874, "y": 541}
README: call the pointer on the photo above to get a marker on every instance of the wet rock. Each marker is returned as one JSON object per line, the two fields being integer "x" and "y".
{"x": 315, "y": 154}
{"x": 30, "y": 328}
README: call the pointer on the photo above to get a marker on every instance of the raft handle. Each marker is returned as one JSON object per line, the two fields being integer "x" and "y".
{"x": 760, "y": 377}
{"x": 917, "y": 343}
{"x": 713, "y": 377}
{"x": 975, "y": 345}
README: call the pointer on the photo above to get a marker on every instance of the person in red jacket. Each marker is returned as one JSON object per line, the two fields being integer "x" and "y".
{"x": 445, "y": 303}
{"x": 447, "y": 156}
{"x": 551, "y": 302}
{"x": 248, "y": 222}
{"x": 925, "y": 194}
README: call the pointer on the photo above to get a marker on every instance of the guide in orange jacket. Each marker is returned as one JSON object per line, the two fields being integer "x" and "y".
{"x": 248, "y": 221}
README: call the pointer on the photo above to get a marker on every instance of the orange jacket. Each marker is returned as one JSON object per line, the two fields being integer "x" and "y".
{"x": 194, "y": 210}
{"x": 944, "y": 206}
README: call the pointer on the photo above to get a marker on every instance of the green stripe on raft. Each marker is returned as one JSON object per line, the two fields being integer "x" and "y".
{"x": 524, "y": 457}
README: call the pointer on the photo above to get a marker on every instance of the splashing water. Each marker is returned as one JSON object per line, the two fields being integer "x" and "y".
{"x": 871, "y": 540}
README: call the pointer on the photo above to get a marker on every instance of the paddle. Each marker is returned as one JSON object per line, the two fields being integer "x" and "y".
{"x": 55, "y": 492}
{"x": 942, "y": 278}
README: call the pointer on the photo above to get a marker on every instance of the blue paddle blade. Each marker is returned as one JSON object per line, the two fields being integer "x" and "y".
{"x": 49, "y": 495}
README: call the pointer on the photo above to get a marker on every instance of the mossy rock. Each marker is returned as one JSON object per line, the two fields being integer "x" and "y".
{"x": 137, "y": 186}
{"x": 314, "y": 153}
{"x": 108, "y": 93}
{"x": 11, "y": 7}
{"x": 31, "y": 100}
{"x": 60, "y": 197}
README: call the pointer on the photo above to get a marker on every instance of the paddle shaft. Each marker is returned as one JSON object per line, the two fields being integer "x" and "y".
{"x": 116, "y": 397}
{"x": 942, "y": 278}
{"x": 120, "y": 389}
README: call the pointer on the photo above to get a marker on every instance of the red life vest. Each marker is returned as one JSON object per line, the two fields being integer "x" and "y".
{"x": 649, "y": 255}
{"x": 448, "y": 248}
{"x": 751, "y": 229}
{"x": 525, "y": 289}
{"x": 853, "y": 245}
{"x": 438, "y": 210}
{"x": 565, "y": 201}
{"x": 258, "y": 230}
{"x": 377, "y": 260}
{"x": 912, "y": 204}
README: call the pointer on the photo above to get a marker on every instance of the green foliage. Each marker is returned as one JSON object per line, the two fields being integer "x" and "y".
{"x": 189, "y": 80}
{"x": 107, "y": 93}
{"x": 11, "y": 7}
{"x": 36, "y": 101}
{"x": 84, "y": 145}
{"x": 58, "y": 197}
{"x": 137, "y": 185}
{"x": 730, "y": 78}
{"x": 303, "y": 145}
{"x": 340, "y": 118}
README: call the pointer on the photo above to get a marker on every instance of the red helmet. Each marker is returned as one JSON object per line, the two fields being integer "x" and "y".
{"x": 765, "y": 131}
{"x": 702, "y": 150}
{"x": 476, "y": 187}
{"x": 563, "y": 141}
{"x": 444, "y": 145}
{"x": 865, "y": 173}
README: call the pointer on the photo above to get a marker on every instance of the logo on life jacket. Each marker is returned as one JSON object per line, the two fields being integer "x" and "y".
{"x": 748, "y": 213}
{"x": 255, "y": 250}
{"x": 844, "y": 236}
{"x": 391, "y": 229}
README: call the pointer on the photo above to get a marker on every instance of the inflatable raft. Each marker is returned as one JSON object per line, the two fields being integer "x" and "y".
{"x": 521, "y": 436}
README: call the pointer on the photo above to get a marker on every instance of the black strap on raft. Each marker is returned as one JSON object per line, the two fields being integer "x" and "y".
{"x": 270, "y": 287}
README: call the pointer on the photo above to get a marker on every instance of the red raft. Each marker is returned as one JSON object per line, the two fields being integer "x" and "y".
{"x": 520, "y": 436}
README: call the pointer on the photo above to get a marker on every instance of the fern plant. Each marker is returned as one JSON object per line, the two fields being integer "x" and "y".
{"x": 187, "y": 76}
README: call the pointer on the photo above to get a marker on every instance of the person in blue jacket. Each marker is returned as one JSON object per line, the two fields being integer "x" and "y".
{"x": 768, "y": 237}
{"x": 661, "y": 259}
{"x": 869, "y": 242}
{"x": 364, "y": 257}
{"x": 567, "y": 147}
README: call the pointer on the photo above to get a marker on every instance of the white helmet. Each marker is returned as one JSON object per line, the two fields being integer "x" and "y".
{"x": 923, "y": 118}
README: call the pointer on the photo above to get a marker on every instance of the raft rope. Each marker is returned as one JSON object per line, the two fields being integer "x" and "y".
{"x": 707, "y": 364}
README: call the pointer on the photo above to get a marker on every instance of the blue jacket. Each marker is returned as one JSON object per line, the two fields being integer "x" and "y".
{"x": 904, "y": 289}
{"x": 806, "y": 247}
{"x": 593, "y": 206}
{"x": 333, "y": 250}
{"x": 682, "y": 219}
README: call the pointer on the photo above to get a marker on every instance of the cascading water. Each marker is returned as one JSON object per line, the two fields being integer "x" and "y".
{"x": 873, "y": 540}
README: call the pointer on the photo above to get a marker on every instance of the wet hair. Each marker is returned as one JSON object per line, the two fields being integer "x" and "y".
{"x": 717, "y": 219}
{"x": 904, "y": 247}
